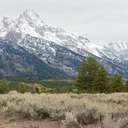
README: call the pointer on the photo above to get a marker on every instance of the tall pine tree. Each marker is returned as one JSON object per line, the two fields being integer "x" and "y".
{"x": 92, "y": 76}
{"x": 100, "y": 80}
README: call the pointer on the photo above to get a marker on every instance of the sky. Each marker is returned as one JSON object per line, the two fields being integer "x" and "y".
{"x": 98, "y": 20}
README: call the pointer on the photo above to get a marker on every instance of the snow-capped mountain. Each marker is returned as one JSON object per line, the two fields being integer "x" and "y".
{"x": 29, "y": 23}
{"x": 58, "y": 48}
{"x": 55, "y": 47}
{"x": 116, "y": 53}
{"x": 16, "y": 61}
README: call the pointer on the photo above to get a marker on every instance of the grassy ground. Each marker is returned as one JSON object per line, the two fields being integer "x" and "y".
{"x": 62, "y": 85}
{"x": 74, "y": 111}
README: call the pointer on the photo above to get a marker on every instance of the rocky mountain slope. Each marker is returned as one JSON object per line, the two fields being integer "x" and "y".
{"x": 59, "y": 50}
{"x": 16, "y": 61}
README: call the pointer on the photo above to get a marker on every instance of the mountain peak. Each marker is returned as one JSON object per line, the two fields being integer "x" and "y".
{"x": 30, "y": 13}
{"x": 31, "y": 17}
{"x": 30, "y": 23}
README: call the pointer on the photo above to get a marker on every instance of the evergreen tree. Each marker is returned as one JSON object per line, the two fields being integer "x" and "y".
{"x": 125, "y": 89}
{"x": 115, "y": 84}
{"x": 92, "y": 76}
{"x": 100, "y": 80}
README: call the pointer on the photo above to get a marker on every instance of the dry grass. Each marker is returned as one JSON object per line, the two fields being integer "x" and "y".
{"x": 92, "y": 110}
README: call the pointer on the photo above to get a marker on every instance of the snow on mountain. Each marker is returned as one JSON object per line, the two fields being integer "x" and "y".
{"x": 30, "y": 23}
{"x": 16, "y": 61}
{"x": 53, "y": 54}
{"x": 56, "y": 47}
{"x": 30, "y": 32}
{"x": 117, "y": 51}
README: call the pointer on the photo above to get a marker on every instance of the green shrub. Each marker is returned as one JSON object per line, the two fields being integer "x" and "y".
{"x": 115, "y": 84}
{"x": 4, "y": 88}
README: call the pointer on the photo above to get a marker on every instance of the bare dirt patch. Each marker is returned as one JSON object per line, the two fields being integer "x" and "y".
{"x": 12, "y": 122}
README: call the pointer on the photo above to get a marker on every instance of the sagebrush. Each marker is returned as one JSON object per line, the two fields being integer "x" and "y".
{"x": 74, "y": 110}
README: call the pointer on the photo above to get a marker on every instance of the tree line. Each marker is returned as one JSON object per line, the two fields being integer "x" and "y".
{"x": 94, "y": 78}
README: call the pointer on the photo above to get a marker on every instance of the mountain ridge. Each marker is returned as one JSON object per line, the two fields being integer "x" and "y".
{"x": 61, "y": 49}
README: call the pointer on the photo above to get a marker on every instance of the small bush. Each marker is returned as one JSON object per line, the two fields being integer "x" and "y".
{"x": 89, "y": 117}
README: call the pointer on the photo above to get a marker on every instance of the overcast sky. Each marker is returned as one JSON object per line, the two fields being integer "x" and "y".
{"x": 99, "y": 20}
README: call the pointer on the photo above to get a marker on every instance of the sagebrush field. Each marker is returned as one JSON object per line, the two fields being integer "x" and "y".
{"x": 72, "y": 110}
